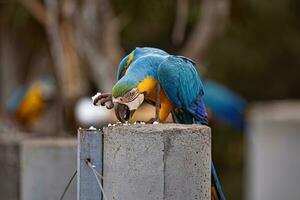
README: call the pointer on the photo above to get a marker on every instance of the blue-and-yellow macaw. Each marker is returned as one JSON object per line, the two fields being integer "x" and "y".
{"x": 28, "y": 102}
{"x": 169, "y": 81}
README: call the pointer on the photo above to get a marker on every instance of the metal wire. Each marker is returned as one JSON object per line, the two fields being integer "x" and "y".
{"x": 96, "y": 176}
{"x": 68, "y": 185}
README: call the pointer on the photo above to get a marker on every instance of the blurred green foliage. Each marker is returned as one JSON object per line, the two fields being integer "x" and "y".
{"x": 258, "y": 55}
{"x": 146, "y": 22}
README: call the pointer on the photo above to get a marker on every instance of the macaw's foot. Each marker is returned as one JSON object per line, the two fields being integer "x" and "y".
{"x": 152, "y": 120}
{"x": 104, "y": 99}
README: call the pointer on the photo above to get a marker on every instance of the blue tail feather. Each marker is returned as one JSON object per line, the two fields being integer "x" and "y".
{"x": 197, "y": 109}
{"x": 199, "y": 112}
{"x": 216, "y": 183}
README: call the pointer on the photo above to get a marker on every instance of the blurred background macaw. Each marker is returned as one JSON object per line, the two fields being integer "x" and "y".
{"x": 224, "y": 105}
{"x": 28, "y": 102}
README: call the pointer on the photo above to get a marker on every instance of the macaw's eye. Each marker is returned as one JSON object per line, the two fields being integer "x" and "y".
{"x": 131, "y": 95}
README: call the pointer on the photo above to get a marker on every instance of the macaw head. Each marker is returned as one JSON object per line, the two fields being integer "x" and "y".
{"x": 127, "y": 99}
{"x": 134, "y": 83}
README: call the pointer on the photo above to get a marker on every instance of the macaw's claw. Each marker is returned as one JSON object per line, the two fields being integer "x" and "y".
{"x": 104, "y": 99}
{"x": 109, "y": 104}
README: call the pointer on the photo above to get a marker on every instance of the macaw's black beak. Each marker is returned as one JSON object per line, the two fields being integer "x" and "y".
{"x": 122, "y": 112}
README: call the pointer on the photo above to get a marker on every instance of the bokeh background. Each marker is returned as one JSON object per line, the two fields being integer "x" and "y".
{"x": 55, "y": 53}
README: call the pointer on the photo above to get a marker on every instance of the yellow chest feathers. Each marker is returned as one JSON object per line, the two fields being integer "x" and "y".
{"x": 148, "y": 85}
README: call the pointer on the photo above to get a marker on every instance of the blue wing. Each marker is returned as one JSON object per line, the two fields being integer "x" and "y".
{"x": 181, "y": 82}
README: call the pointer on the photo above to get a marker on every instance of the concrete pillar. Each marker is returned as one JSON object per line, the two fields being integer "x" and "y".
{"x": 161, "y": 162}
{"x": 10, "y": 165}
{"x": 34, "y": 169}
{"x": 273, "y": 146}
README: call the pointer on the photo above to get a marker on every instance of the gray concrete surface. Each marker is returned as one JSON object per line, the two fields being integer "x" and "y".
{"x": 46, "y": 167}
{"x": 273, "y": 147}
{"x": 35, "y": 169}
{"x": 10, "y": 164}
{"x": 160, "y": 162}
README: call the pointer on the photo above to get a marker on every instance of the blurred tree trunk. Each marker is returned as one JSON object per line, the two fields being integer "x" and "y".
{"x": 80, "y": 42}
{"x": 98, "y": 41}
{"x": 210, "y": 24}
{"x": 111, "y": 32}
{"x": 90, "y": 37}
{"x": 182, "y": 11}
{"x": 9, "y": 66}
{"x": 61, "y": 39}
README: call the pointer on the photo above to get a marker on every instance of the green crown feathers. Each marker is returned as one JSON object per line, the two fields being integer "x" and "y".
{"x": 120, "y": 89}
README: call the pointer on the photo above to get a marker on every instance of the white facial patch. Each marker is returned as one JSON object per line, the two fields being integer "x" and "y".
{"x": 133, "y": 105}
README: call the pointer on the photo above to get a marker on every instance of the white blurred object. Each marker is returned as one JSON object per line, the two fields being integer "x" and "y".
{"x": 87, "y": 114}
